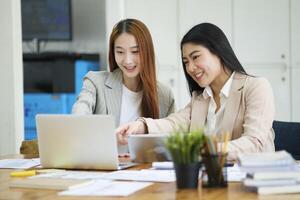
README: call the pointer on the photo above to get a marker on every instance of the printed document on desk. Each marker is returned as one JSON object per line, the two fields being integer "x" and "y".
{"x": 68, "y": 174}
{"x": 107, "y": 188}
{"x": 143, "y": 175}
{"x": 132, "y": 175}
{"x": 19, "y": 163}
{"x": 234, "y": 173}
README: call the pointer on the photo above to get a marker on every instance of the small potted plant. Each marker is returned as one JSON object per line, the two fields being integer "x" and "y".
{"x": 185, "y": 149}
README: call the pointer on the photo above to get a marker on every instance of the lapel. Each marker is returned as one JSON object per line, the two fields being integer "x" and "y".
{"x": 113, "y": 94}
{"x": 233, "y": 103}
{"x": 199, "y": 112}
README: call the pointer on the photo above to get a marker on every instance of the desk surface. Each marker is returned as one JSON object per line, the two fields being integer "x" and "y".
{"x": 162, "y": 191}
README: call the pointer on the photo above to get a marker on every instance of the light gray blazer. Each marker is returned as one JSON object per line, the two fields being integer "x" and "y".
{"x": 102, "y": 94}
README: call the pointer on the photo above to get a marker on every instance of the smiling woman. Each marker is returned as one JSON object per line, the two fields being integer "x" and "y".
{"x": 130, "y": 90}
{"x": 225, "y": 99}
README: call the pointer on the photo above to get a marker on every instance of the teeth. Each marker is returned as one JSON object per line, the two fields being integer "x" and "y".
{"x": 129, "y": 68}
{"x": 198, "y": 75}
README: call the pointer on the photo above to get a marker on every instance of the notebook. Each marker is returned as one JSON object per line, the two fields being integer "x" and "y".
{"x": 268, "y": 183}
{"x": 286, "y": 189}
{"x": 78, "y": 142}
{"x": 269, "y": 175}
{"x": 266, "y": 159}
{"x": 49, "y": 183}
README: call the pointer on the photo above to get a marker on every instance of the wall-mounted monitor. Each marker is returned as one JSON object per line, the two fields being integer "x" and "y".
{"x": 46, "y": 19}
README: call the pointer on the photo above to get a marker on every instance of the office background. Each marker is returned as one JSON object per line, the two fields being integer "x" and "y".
{"x": 265, "y": 35}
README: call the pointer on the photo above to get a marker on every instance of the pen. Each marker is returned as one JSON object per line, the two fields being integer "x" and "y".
{"x": 23, "y": 173}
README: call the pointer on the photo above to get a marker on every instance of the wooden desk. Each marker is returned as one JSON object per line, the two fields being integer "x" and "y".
{"x": 161, "y": 191}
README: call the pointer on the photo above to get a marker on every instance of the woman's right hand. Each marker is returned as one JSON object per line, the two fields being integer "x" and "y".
{"x": 132, "y": 128}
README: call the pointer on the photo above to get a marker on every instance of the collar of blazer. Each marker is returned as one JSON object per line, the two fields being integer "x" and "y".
{"x": 231, "y": 109}
{"x": 233, "y": 103}
{"x": 113, "y": 94}
{"x": 114, "y": 79}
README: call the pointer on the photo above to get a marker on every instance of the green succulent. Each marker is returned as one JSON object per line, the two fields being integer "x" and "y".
{"x": 185, "y": 147}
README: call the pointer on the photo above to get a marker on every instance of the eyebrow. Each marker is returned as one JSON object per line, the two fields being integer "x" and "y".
{"x": 190, "y": 54}
{"x": 133, "y": 47}
{"x": 195, "y": 51}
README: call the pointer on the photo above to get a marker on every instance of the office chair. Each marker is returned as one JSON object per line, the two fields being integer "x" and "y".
{"x": 287, "y": 137}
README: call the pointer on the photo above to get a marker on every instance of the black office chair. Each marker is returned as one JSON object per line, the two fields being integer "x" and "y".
{"x": 287, "y": 137}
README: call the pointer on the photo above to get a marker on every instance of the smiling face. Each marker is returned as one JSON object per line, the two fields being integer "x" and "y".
{"x": 127, "y": 55}
{"x": 203, "y": 66}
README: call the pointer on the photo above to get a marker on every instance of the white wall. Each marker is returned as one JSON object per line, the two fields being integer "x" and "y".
{"x": 11, "y": 78}
{"x": 263, "y": 47}
{"x": 295, "y": 58}
{"x": 163, "y": 26}
{"x": 114, "y": 12}
{"x": 193, "y": 12}
{"x": 264, "y": 35}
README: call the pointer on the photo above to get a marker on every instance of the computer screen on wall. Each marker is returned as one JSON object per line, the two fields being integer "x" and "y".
{"x": 46, "y": 19}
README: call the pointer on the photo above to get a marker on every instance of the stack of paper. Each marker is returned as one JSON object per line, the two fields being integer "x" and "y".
{"x": 49, "y": 183}
{"x": 280, "y": 160}
{"x": 271, "y": 173}
{"x": 234, "y": 174}
{"x": 130, "y": 175}
{"x": 19, "y": 163}
{"x": 104, "y": 184}
{"x": 76, "y": 187}
{"x": 68, "y": 174}
{"x": 107, "y": 188}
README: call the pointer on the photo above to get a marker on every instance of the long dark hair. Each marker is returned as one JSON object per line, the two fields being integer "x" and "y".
{"x": 149, "y": 105}
{"x": 211, "y": 37}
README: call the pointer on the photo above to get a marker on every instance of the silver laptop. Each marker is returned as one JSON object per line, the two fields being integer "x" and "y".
{"x": 78, "y": 142}
{"x": 148, "y": 148}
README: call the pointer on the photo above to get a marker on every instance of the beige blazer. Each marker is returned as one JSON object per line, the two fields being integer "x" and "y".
{"x": 102, "y": 94}
{"x": 248, "y": 116}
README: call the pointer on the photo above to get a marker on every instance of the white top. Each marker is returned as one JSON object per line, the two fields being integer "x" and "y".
{"x": 130, "y": 109}
{"x": 213, "y": 119}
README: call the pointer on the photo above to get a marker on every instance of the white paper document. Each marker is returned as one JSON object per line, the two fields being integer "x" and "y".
{"x": 107, "y": 188}
{"x": 81, "y": 175}
{"x": 132, "y": 175}
{"x": 143, "y": 175}
{"x": 234, "y": 174}
{"x": 19, "y": 163}
{"x": 163, "y": 165}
